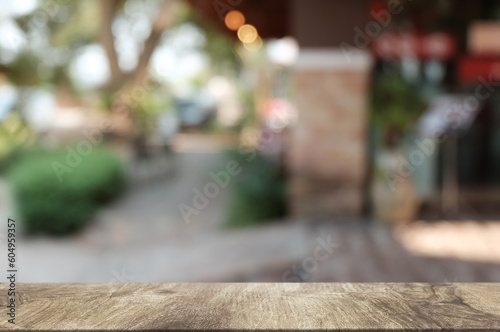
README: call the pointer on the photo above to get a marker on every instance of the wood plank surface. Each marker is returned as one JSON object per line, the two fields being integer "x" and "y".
{"x": 255, "y": 306}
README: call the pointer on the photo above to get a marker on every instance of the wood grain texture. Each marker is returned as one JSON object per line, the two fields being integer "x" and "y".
{"x": 262, "y": 307}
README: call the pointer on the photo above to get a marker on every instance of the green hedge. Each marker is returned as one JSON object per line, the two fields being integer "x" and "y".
{"x": 257, "y": 194}
{"x": 50, "y": 204}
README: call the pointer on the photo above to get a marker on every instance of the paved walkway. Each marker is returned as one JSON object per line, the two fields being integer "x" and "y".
{"x": 143, "y": 237}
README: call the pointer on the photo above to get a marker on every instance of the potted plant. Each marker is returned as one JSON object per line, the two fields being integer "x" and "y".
{"x": 396, "y": 106}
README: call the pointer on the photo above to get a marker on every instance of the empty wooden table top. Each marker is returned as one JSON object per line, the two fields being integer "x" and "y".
{"x": 262, "y": 307}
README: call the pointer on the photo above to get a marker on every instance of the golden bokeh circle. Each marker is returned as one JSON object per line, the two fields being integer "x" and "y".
{"x": 247, "y": 33}
{"x": 234, "y": 20}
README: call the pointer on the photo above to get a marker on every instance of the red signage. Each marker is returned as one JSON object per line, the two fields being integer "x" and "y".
{"x": 397, "y": 45}
{"x": 472, "y": 69}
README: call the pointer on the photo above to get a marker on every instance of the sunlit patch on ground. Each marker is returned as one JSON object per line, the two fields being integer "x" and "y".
{"x": 469, "y": 240}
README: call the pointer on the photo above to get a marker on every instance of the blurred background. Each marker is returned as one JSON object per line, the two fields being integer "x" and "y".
{"x": 251, "y": 140}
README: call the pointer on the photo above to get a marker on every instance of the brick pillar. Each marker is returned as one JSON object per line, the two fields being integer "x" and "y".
{"x": 328, "y": 146}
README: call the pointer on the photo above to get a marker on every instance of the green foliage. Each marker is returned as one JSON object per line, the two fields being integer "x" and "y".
{"x": 80, "y": 28}
{"x": 257, "y": 193}
{"x": 106, "y": 99}
{"x": 69, "y": 24}
{"x": 396, "y": 104}
{"x": 47, "y": 204}
{"x": 147, "y": 109}
{"x": 28, "y": 70}
{"x": 249, "y": 118}
{"x": 15, "y": 136}
{"x": 218, "y": 46}
{"x": 13, "y": 156}
{"x": 153, "y": 104}
{"x": 24, "y": 70}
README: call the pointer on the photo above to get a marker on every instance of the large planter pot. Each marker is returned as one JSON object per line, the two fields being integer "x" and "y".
{"x": 394, "y": 196}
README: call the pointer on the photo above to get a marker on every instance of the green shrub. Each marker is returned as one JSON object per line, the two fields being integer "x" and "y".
{"x": 47, "y": 204}
{"x": 9, "y": 159}
{"x": 257, "y": 194}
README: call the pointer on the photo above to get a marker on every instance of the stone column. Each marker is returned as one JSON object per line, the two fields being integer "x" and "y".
{"x": 328, "y": 145}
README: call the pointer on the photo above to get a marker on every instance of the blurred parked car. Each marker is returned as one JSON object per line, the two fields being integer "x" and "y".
{"x": 195, "y": 111}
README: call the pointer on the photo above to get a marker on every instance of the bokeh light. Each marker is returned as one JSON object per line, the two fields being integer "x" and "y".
{"x": 283, "y": 51}
{"x": 254, "y": 46}
{"x": 234, "y": 20}
{"x": 247, "y": 33}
